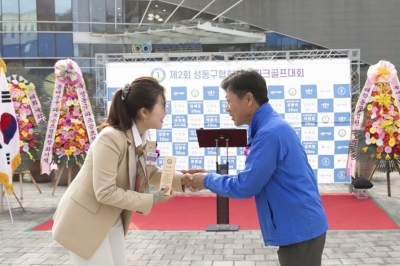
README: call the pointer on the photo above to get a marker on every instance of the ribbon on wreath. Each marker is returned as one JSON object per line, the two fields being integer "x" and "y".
{"x": 33, "y": 99}
{"x": 67, "y": 73}
{"x": 382, "y": 72}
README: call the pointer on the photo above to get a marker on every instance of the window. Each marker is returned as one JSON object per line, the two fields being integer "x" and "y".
{"x": 64, "y": 45}
{"x": 45, "y": 12}
{"x": 27, "y": 10}
{"x": 98, "y": 15}
{"x": 289, "y": 43}
{"x": 98, "y": 49}
{"x": 63, "y": 12}
{"x": 81, "y": 14}
{"x": 133, "y": 11}
{"x": 114, "y": 48}
{"x": 10, "y": 14}
{"x": 29, "y": 45}
{"x": 11, "y": 45}
{"x": 305, "y": 45}
{"x": 274, "y": 41}
{"x": 46, "y": 45}
{"x": 110, "y": 14}
{"x": 81, "y": 50}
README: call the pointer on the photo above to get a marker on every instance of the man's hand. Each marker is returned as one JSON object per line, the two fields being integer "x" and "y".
{"x": 194, "y": 171}
{"x": 186, "y": 179}
{"x": 194, "y": 182}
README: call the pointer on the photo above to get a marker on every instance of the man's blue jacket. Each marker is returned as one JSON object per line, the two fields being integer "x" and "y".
{"x": 278, "y": 175}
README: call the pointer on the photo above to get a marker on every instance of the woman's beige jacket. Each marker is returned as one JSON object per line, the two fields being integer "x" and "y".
{"x": 100, "y": 193}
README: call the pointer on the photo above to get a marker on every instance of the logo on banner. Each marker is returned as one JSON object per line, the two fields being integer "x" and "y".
{"x": 195, "y": 93}
{"x": 325, "y": 161}
{"x": 308, "y": 91}
{"x": 325, "y": 105}
{"x": 158, "y": 74}
{"x": 211, "y": 93}
{"x": 292, "y": 91}
{"x": 276, "y": 92}
{"x": 178, "y": 93}
{"x": 325, "y": 119}
{"x": 341, "y": 90}
{"x": 342, "y": 119}
{"x": 340, "y": 175}
{"x": 341, "y": 147}
{"x": 326, "y": 133}
{"x": 342, "y": 133}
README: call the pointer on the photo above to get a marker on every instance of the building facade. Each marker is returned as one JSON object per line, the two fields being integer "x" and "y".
{"x": 37, "y": 33}
{"x": 368, "y": 25}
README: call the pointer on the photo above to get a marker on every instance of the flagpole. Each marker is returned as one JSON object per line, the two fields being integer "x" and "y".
{"x": 2, "y": 195}
{"x": 9, "y": 208}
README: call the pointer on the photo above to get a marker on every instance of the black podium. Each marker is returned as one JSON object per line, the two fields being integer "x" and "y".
{"x": 215, "y": 138}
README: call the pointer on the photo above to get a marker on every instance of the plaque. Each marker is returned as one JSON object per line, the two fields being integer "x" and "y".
{"x": 167, "y": 174}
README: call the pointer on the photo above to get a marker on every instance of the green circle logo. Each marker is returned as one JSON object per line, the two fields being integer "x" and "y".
{"x": 342, "y": 133}
{"x": 325, "y": 119}
{"x": 158, "y": 74}
{"x": 195, "y": 93}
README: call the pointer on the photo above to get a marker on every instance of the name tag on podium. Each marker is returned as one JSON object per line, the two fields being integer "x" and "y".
{"x": 167, "y": 173}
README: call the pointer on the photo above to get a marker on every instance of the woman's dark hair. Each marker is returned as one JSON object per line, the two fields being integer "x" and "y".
{"x": 143, "y": 92}
{"x": 243, "y": 81}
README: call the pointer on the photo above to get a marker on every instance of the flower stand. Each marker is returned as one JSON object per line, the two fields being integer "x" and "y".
{"x": 38, "y": 176}
{"x": 21, "y": 175}
{"x": 65, "y": 174}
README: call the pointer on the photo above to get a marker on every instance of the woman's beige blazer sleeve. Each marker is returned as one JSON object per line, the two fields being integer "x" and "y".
{"x": 112, "y": 157}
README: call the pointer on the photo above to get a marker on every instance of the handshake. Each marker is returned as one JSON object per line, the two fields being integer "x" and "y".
{"x": 193, "y": 179}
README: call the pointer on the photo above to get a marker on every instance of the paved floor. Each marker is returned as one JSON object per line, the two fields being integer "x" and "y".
{"x": 19, "y": 246}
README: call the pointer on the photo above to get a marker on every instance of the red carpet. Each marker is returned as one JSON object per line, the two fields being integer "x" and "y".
{"x": 344, "y": 211}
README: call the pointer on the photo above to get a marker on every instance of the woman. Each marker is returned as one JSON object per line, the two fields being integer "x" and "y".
{"x": 93, "y": 216}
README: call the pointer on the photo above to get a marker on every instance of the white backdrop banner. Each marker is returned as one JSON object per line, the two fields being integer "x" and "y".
{"x": 312, "y": 95}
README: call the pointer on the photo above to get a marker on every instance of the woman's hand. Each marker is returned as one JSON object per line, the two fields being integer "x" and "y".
{"x": 160, "y": 197}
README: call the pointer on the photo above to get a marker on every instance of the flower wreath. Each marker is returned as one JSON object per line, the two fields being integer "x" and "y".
{"x": 377, "y": 125}
{"x": 71, "y": 126}
{"x": 29, "y": 115}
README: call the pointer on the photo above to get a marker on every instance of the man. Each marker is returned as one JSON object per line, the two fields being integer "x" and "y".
{"x": 277, "y": 174}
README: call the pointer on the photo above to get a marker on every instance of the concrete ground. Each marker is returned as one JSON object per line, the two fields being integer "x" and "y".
{"x": 19, "y": 246}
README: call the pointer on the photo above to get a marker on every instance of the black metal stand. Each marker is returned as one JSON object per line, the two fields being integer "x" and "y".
{"x": 235, "y": 138}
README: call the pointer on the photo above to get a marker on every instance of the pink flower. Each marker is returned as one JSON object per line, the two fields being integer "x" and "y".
{"x": 388, "y": 149}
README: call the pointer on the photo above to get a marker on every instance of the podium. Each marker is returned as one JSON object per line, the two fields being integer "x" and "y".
{"x": 215, "y": 138}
